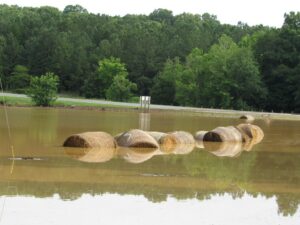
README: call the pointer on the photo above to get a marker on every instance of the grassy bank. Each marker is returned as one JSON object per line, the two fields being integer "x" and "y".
{"x": 25, "y": 101}
{"x": 73, "y": 103}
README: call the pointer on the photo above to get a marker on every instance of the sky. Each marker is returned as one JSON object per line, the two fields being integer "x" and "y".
{"x": 252, "y": 12}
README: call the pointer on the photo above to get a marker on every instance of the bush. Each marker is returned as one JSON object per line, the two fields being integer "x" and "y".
{"x": 134, "y": 99}
{"x": 43, "y": 89}
{"x": 121, "y": 89}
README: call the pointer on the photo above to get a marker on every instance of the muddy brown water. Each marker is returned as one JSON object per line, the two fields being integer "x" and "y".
{"x": 221, "y": 185}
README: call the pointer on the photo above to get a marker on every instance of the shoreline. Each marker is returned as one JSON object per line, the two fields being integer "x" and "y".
{"x": 221, "y": 113}
{"x": 22, "y": 101}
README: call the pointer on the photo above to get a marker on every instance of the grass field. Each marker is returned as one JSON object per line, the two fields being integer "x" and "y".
{"x": 79, "y": 103}
{"x": 25, "y": 101}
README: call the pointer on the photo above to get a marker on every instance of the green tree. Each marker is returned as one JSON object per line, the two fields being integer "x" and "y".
{"x": 121, "y": 89}
{"x": 43, "y": 89}
{"x": 186, "y": 88}
{"x": 227, "y": 77}
{"x": 162, "y": 15}
{"x": 164, "y": 89}
{"x": 19, "y": 79}
{"x": 278, "y": 54}
{"x": 74, "y": 9}
{"x": 186, "y": 82}
{"x": 2, "y": 55}
{"x": 247, "y": 89}
{"x": 71, "y": 42}
{"x": 213, "y": 79}
{"x": 108, "y": 69}
{"x": 92, "y": 87}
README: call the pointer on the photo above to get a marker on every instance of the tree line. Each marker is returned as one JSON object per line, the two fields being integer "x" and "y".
{"x": 185, "y": 59}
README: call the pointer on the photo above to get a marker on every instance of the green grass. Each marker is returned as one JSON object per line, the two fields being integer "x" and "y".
{"x": 16, "y": 101}
{"x": 23, "y": 101}
{"x": 70, "y": 95}
{"x": 60, "y": 103}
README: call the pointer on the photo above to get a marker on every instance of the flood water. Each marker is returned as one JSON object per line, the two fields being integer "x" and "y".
{"x": 226, "y": 186}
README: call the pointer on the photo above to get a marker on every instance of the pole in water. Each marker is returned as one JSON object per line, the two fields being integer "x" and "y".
{"x": 145, "y": 102}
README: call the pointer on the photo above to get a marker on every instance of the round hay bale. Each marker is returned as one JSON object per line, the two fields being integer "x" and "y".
{"x": 199, "y": 144}
{"x": 179, "y": 142}
{"x": 248, "y": 145}
{"x": 200, "y": 135}
{"x": 90, "y": 140}
{"x": 224, "y": 149}
{"x": 118, "y": 135}
{"x": 91, "y": 155}
{"x": 136, "y": 139}
{"x": 183, "y": 149}
{"x": 222, "y": 134}
{"x": 137, "y": 155}
{"x": 247, "y": 118}
{"x": 156, "y": 135}
{"x": 252, "y": 131}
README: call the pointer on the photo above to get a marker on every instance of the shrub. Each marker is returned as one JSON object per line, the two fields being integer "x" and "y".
{"x": 121, "y": 89}
{"x": 43, "y": 89}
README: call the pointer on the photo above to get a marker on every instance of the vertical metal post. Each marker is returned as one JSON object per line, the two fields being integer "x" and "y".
{"x": 145, "y": 102}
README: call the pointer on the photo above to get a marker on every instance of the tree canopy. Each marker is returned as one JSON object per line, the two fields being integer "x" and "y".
{"x": 213, "y": 64}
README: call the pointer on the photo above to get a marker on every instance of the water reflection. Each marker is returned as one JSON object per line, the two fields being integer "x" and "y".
{"x": 144, "y": 121}
{"x": 137, "y": 210}
{"x": 140, "y": 155}
{"x": 137, "y": 155}
{"x": 221, "y": 149}
{"x": 259, "y": 185}
{"x": 198, "y": 175}
{"x": 91, "y": 155}
{"x": 131, "y": 155}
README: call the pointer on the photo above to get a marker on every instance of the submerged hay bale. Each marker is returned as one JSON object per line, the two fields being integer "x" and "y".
{"x": 224, "y": 149}
{"x": 200, "y": 135}
{"x": 156, "y": 135}
{"x": 118, "y": 135}
{"x": 90, "y": 140}
{"x": 137, "y": 155}
{"x": 199, "y": 144}
{"x": 91, "y": 155}
{"x": 179, "y": 142}
{"x": 183, "y": 149}
{"x": 221, "y": 134}
{"x": 252, "y": 131}
{"x": 136, "y": 138}
{"x": 247, "y": 118}
{"x": 199, "y": 138}
{"x": 248, "y": 145}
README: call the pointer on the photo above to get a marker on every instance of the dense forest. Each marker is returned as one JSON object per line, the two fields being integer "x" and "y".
{"x": 185, "y": 59}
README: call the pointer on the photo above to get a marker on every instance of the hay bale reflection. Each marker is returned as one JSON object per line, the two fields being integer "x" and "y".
{"x": 248, "y": 145}
{"x": 199, "y": 138}
{"x": 137, "y": 155}
{"x": 222, "y": 149}
{"x": 183, "y": 149}
{"x": 91, "y": 155}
